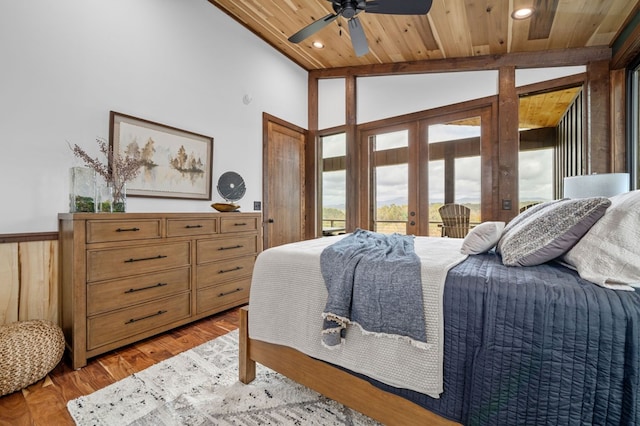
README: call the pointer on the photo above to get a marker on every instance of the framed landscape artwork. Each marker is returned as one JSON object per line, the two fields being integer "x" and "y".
{"x": 176, "y": 163}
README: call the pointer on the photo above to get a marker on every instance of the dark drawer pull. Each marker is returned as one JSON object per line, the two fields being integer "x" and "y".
{"x": 127, "y": 229}
{"x": 240, "y": 224}
{"x": 160, "y": 256}
{"x": 133, "y": 290}
{"x": 224, "y": 271}
{"x": 231, "y": 247}
{"x": 229, "y": 292}
{"x": 132, "y": 320}
{"x": 193, "y": 226}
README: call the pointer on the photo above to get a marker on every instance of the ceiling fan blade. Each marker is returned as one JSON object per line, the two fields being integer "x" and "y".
{"x": 397, "y": 7}
{"x": 358, "y": 39}
{"x": 312, "y": 28}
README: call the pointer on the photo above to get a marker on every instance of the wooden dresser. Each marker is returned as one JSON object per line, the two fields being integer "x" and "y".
{"x": 128, "y": 276}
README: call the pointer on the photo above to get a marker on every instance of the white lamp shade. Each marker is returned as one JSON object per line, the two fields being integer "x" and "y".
{"x": 596, "y": 185}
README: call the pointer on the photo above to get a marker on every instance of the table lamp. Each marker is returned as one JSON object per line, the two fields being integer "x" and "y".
{"x": 596, "y": 185}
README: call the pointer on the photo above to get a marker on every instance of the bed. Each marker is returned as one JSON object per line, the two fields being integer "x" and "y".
{"x": 530, "y": 343}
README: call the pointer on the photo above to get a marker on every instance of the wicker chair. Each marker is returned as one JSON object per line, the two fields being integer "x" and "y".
{"x": 29, "y": 350}
{"x": 528, "y": 206}
{"x": 455, "y": 220}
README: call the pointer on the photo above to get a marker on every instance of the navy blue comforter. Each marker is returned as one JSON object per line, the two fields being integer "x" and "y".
{"x": 536, "y": 346}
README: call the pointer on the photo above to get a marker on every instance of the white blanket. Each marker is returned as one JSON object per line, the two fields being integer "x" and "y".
{"x": 288, "y": 296}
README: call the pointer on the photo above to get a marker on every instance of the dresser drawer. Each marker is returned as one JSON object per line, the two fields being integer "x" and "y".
{"x": 219, "y": 272}
{"x": 125, "y": 261}
{"x": 187, "y": 227}
{"x": 102, "y": 231}
{"x": 238, "y": 224}
{"x": 215, "y": 298}
{"x": 225, "y": 248}
{"x": 109, "y": 328}
{"x": 109, "y": 295}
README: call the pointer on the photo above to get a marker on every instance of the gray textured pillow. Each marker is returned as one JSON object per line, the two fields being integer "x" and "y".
{"x": 525, "y": 214}
{"x": 482, "y": 238}
{"x": 549, "y": 232}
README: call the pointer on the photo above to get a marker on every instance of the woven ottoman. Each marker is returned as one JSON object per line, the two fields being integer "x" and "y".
{"x": 29, "y": 350}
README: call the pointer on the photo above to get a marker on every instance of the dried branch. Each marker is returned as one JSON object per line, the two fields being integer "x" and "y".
{"x": 118, "y": 169}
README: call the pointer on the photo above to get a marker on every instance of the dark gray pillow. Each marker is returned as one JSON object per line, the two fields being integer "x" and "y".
{"x": 525, "y": 214}
{"x": 550, "y": 231}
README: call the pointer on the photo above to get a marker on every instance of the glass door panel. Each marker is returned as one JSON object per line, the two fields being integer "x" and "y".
{"x": 390, "y": 182}
{"x": 455, "y": 174}
{"x": 392, "y": 199}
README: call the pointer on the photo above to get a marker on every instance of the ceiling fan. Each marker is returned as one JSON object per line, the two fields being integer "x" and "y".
{"x": 348, "y": 9}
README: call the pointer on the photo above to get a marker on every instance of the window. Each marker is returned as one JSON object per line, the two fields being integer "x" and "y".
{"x": 535, "y": 176}
{"x": 334, "y": 150}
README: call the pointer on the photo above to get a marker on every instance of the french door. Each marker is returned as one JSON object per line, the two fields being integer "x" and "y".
{"x": 414, "y": 168}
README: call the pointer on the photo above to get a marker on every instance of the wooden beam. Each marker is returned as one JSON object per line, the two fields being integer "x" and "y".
{"x": 598, "y": 124}
{"x": 544, "y": 137}
{"x": 313, "y": 225}
{"x": 618, "y": 121}
{"x": 550, "y": 58}
{"x": 508, "y": 144}
{"x": 357, "y": 199}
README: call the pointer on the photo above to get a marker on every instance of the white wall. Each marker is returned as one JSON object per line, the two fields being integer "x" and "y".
{"x": 332, "y": 106}
{"x": 66, "y": 64}
{"x": 389, "y": 96}
{"x": 536, "y": 75}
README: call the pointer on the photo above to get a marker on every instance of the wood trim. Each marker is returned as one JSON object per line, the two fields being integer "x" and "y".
{"x": 322, "y": 377}
{"x": 27, "y": 237}
{"x": 453, "y": 110}
{"x": 552, "y": 85}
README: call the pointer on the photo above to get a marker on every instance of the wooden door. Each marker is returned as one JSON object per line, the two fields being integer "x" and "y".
{"x": 283, "y": 182}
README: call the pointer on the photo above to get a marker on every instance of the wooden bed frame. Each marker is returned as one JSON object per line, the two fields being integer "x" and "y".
{"x": 351, "y": 391}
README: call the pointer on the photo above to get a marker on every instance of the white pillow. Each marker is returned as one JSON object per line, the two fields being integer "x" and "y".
{"x": 610, "y": 251}
{"x": 482, "y": 238}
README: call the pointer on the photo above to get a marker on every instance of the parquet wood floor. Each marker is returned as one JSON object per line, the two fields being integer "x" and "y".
{"x": 45, "y": 402}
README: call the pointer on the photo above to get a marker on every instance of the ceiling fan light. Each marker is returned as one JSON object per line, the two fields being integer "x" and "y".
{"x": 523, "y": 13}
{"x": 318, "y": 44}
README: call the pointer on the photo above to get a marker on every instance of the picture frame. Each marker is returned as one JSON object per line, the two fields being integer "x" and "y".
{"x": 178, "y": 162}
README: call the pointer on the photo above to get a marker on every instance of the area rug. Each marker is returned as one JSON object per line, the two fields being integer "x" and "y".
{"x": 201, "y": 387}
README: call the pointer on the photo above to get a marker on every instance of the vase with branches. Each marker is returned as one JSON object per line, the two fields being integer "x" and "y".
{"x": 116, "y": 171}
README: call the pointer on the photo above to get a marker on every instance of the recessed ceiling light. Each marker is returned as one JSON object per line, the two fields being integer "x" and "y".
{"x": 317, "y": 44}
{"x": 523, "y": 13}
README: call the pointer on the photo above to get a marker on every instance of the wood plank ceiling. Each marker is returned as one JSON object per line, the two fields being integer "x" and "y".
{"x": 452, "y": 29}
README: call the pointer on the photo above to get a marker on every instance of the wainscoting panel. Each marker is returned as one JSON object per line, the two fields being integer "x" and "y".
{"x": 29, "y": 281}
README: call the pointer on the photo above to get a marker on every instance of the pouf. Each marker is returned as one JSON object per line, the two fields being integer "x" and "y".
{"x": 29, "y": 350}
